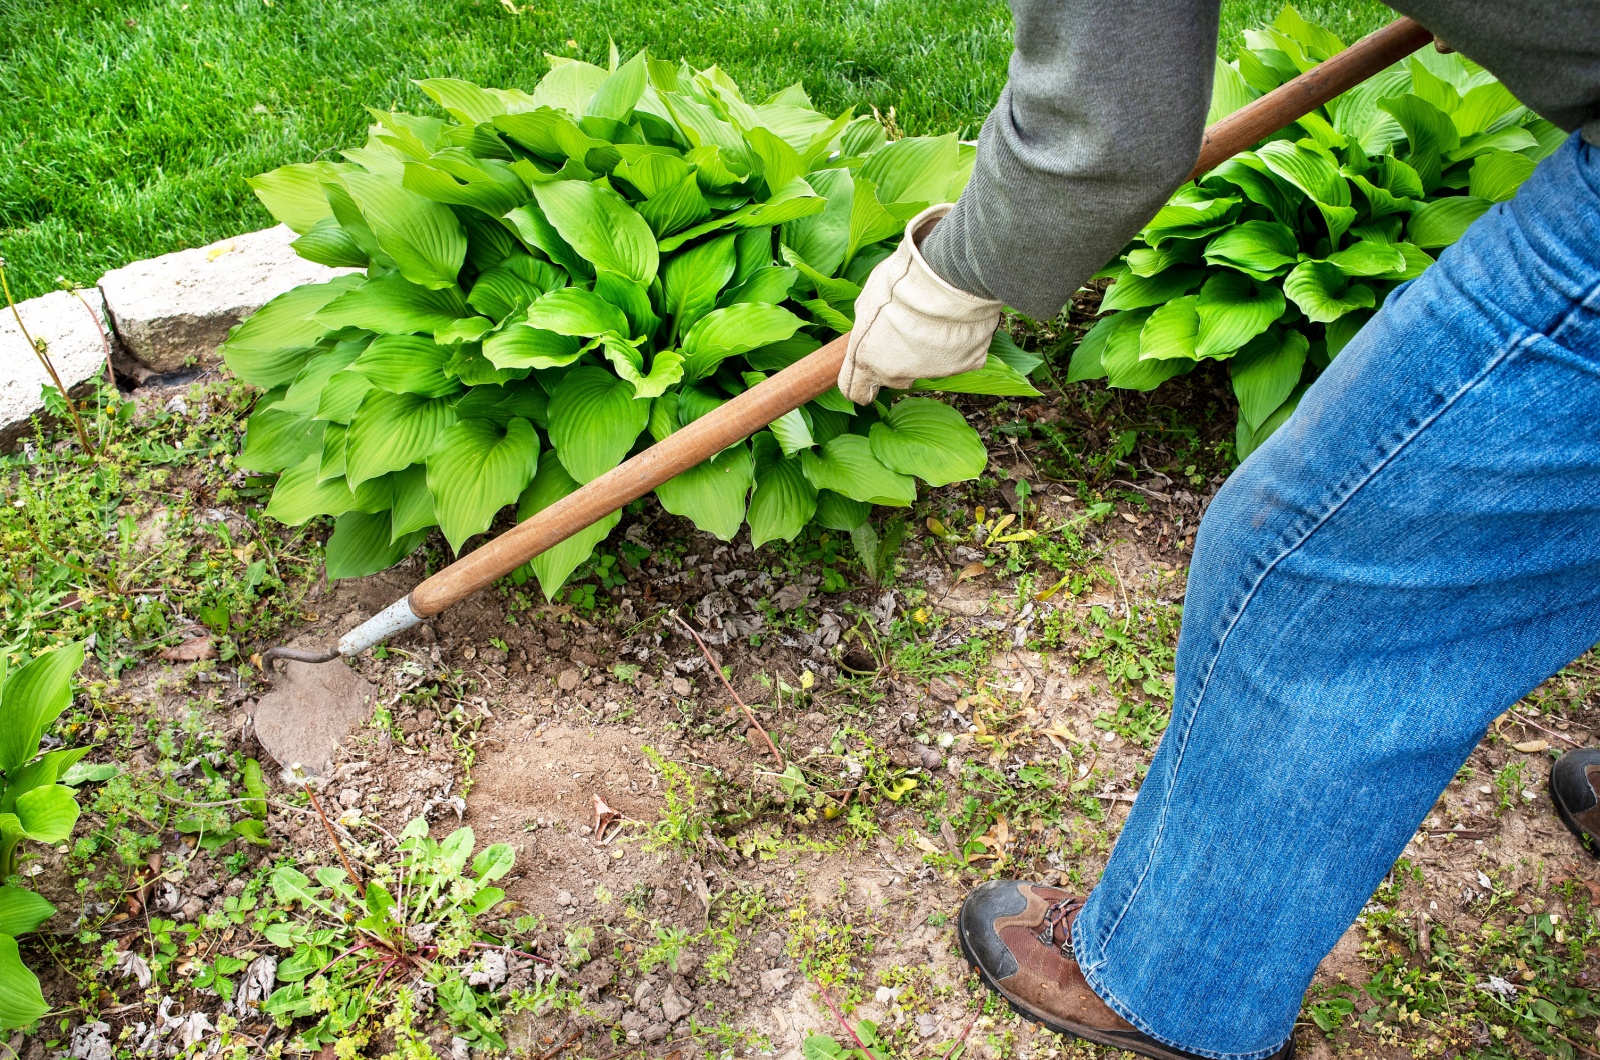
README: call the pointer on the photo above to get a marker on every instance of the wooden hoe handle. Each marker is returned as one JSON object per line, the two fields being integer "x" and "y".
{"x": 810, "y": 378}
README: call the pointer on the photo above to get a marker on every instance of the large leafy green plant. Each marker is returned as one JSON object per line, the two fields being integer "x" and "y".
{"x": 1274, "y": 260}
{"x": 555, "y": 279}
{"x": 33, "y": 805}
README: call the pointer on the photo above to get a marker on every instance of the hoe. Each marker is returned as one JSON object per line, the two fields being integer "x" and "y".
{"x": 806, "y": 379}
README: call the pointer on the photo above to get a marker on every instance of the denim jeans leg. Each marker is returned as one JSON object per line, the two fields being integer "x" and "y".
{"x": 1416, "y": 549}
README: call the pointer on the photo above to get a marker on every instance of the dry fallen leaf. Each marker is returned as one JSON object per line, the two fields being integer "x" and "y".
{"x": 192, "y": 650}
{"x": 604, "y": 818}
{"x": 971, "y": 570}
{"x": 926, "y": 845}
{"x": 1532, "y": 747}
{"x": 1058, "y": 734}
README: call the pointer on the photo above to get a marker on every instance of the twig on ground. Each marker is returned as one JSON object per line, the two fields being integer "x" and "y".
{"x": 1523, "y": 719}
{"x": 574, "y": 1036}
{"x": 751, "y": 718}
{"x": 827, "y": 997}
{"x": 337, "y": 846}
{"x": 959, "y": 1042}
{"x": 39, "y": 349}
{"x": 105, "y": 338}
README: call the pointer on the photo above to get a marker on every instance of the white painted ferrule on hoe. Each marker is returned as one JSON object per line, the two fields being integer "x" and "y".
{"x": 395, "y": 618}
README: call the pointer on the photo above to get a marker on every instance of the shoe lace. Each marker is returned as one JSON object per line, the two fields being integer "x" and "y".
{"x": 1056, "y": 917}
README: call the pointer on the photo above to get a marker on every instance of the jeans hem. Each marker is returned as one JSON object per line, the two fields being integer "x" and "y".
{"x": 1104, "y": 993}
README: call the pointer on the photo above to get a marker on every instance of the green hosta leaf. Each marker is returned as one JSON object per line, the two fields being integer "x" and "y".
{"x": 32, "y": 698}
{"x": 21, "y": 1000}
{"x": 928, "y": 439}
{"x": 1229, "y": 92}
{"x": 712, "y": 493}
{"x": 913, "y": 169}
{"x": 341, "y": 397}
{"x": 666, "y": 369}
{"x": 600, "y": 225}
{"x": 305, "y": 392}
{"x": 792, "y": 430}
{"x": 1149, "y": 261}
{"x": 838, "y": 512}
{"x": 779, "y": 355}
{"x": 392, "y": 305}
{"x": 468, "y": 103}
{"x": 822, "y": 239}
{"x": 631, "y": 298}
{"x": 1087, "y": 360}
{"x": 1341, "y": 331}
{"x": 1234, "y": 309}
{"x": 784, "y": 500}
{"x": 1266, "y": 372}
{"x": 691, "y": 281}
{"x": 467, "y": 329}
{"x": 1249, "y": 441}
{"x": 521, "y": 346}
{"x": 569, "y": 86}
{"x": 1485, "y": 109}
{"x": 1173, "y": 331}
{"x": 413, "y": 502}
{"x": 681, "y": 205}
{"x": 514, "y": 285}
{"x": 1251, "y": 176}
{"x": 475, "y": 470}
{"x": 1323, "y": 293}
{"x": 538, "y": 232}
{"x": 1262, "y": 249}
{"x": 594, "y": 421}
{"x": 619, "y": 93}
{"x": 1430, "y": 131}
{"x": 1137, "y": 292}
{"x": 301, "y": 494}
{"x": 327, "y": 243}
{"x": 1316, "y": 174}
{"x": 1368, "y": 258}
{"x": 574, "y": 311}
{"x": 21, "y": 911}
{"x": 780, "y": 163}
{"x": 1357, "y": 117}
{"x": 1513, "y": 139}
{"x": 271, "y": 346}
{"x": 996, "y": 377}
{"x": 423, "y": 237}
{"x": 275, "y": 439}
{"x": 737, "y": 329}
{"x": 407, "y": 364}
{"x": 391, "y": 432}
{"x": 1189, "y": 220}
{"x": 1443, "y": 221}
{"x": 1123, "y": 365}
{"x": 361, "y": 544}
{"x": 554, "y": 565}
{"x": 294, "y": 194}
{"x": 457, "y": 179}
{"x": 48, "y": 813}
{"x": 870, "y": 220}
{"x": 846, "y": 465}
{"x": 770, "y": 284}
{"x": 1319, "y": 43}
{"x": 1380, "y": 201}
{"x": 1496, "y": 175}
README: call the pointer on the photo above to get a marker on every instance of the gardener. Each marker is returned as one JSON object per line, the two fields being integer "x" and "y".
{"x": 1411, "y": 553}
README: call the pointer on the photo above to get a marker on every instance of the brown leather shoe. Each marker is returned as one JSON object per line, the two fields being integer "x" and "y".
{"x": 1018, "y": 936}
{"x": 1575, "y": 787}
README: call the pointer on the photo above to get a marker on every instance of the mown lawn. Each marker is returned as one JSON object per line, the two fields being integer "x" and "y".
{"x": 129, "y": 127}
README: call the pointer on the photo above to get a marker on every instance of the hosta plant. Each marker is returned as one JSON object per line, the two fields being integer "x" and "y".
{"x": 33, "y": 805}
{"x": 552, "y": 280}
{"x": 1274, "y": 260}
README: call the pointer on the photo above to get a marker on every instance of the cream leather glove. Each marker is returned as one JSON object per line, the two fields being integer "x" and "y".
{"x": 911, "y": 324}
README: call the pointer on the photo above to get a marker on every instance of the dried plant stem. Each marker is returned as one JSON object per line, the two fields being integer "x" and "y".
{"x": 100, "y": 325}
{"x": 1523, "y": 719}
{"x": 751, "y": 718}
{"x": 44, "y": 359}
{"x": 959, "y": 1042}
{"x": 338, "y": 846}
{"x": 834, "y": 1008}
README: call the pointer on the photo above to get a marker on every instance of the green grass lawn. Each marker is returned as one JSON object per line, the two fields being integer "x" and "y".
{"x": 129, "y": 127}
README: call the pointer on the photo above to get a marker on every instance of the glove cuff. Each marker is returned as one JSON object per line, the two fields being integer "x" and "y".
{"x": 925, "y": 291}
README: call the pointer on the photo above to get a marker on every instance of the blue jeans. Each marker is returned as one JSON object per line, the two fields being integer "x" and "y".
{"x": 1414, "y": 551}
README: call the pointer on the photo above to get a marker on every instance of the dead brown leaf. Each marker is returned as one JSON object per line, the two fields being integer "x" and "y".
{"x": 192, "y": 650}
{"x": 971, "y": 570}
{"x": 1532, "y": 747}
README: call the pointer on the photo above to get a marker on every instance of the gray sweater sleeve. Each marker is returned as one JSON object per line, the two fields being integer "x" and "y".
{"x": 1099, "y": 123}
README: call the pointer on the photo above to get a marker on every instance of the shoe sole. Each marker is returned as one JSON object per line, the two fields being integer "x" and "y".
{"x": 1142, "y": 1046}
{"x": 1587, "y": 841}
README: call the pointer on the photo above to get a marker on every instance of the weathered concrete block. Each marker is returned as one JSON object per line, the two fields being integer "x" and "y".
{"x": 181, "y": 305}
{"x": 75, "y": 346}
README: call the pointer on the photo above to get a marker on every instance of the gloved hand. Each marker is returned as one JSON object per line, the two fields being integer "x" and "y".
{"x": 911, "y": 324}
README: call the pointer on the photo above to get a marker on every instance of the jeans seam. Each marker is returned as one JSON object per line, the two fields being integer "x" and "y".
{"x": 1522, "y": 339}
{"x": 1116, "y": 1005}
